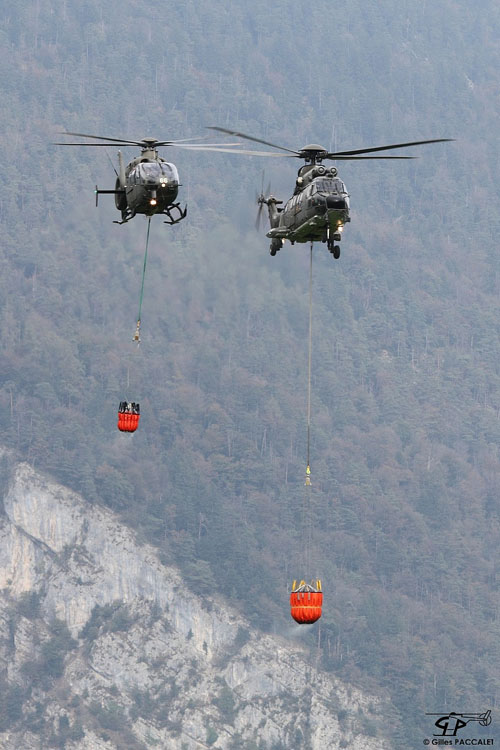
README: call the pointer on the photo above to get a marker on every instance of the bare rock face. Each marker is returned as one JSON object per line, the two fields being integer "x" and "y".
{"x": 103, "y": 647}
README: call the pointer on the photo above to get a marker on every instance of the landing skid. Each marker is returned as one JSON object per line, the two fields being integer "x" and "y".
{"x": 172, "y": 218}
{"x": 174, "y": 212}
{"x": 126, "y": 216}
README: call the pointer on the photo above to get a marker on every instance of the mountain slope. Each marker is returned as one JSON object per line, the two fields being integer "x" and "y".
{"x": 106, "y": 647}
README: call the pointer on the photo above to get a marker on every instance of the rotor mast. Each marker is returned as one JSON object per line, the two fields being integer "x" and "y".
{"x": 313, "y": 154}
{"x": 149, "y": 149}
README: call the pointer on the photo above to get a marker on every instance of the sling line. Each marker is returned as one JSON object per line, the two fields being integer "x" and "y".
{"x": 137, "y": 334}
{"x": 308, "y": 467}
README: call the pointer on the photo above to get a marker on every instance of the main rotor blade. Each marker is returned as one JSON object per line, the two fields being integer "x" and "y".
{"x": 195, "y": 145}
{"x": 103, "y": 138}
{"x": 358, "y": 158}
{"x": 188, "y": 141}
{"x": 251, "y": 138}
{"x": 235, "y": 150}
{"x": 238, "y": 151}
{"x": 184, "y": 140}
{"x": 386, "y": 148}
{"x": 113, "y": 145}
{"x": 186, "y": 146}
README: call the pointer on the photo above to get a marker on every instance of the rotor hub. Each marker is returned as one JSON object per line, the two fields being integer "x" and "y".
{"x": 313, "y": 153}
{"x": 149, "y": 144}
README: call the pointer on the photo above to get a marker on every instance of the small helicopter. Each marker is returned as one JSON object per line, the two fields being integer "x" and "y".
{"x": 148, "y": 184}
{"x": 319, "y": 207}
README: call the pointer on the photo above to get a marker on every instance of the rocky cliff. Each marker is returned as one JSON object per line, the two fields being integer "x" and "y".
{"x": 102, "y": 646}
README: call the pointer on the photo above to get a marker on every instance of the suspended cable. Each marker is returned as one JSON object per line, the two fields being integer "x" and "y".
{"x": 306, "y": 599}
{"x": 137, "y": 334}
{"x": 308, "y": 467}
{"x": 307, "y": 496}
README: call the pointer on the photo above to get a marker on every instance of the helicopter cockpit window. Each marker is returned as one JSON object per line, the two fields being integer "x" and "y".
{"x": 149, "y": 171}
{"x": 153, "y": 172}
{"x": 330, "y": 186}
{"x": 169, "y": 171}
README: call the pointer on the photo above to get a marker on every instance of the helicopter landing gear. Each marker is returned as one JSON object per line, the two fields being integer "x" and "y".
{"x": 333, "y": 248}
{"x": 174, "y": 218}
{"x": 126, "y": 216}
{"x": 275, "y": 246}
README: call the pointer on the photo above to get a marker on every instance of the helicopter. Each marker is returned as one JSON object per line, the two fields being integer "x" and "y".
{"x": 319, "y": 207}
{"x": 148, "y": 184}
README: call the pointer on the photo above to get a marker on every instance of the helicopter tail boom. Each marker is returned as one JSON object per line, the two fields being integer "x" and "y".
{"x": 106, "y": 192}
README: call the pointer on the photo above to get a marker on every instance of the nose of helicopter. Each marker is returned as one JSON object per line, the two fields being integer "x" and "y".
{"x": 160, "y": 191}
{"x": 160, "y": 183}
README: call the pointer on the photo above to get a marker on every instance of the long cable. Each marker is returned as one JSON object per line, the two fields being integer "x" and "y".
{"x": 144, "y": 269}
{"x": 138, "y": 326}
{"x": 308, "y": 468}
{"x": 307, "y": 497}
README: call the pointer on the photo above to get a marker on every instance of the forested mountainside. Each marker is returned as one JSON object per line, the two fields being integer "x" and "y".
{"x": 406, "y": 405}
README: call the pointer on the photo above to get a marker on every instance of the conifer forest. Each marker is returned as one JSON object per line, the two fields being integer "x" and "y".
{"x": 403, "y": 525}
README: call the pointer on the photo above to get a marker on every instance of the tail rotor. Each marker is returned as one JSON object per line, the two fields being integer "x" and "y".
{"x": 262, "y": 200}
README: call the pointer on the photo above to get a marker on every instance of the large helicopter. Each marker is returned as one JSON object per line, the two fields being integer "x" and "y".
{"x": 148, "y": 184}
{"x": 319, "y": 207}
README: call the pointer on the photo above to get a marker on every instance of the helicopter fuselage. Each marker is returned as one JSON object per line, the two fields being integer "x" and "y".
{"x": 147, "y": 185}
{"x": 319, "y": 207}
{"x": 151, "y": 185}
{"x": 316, "y": 212}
